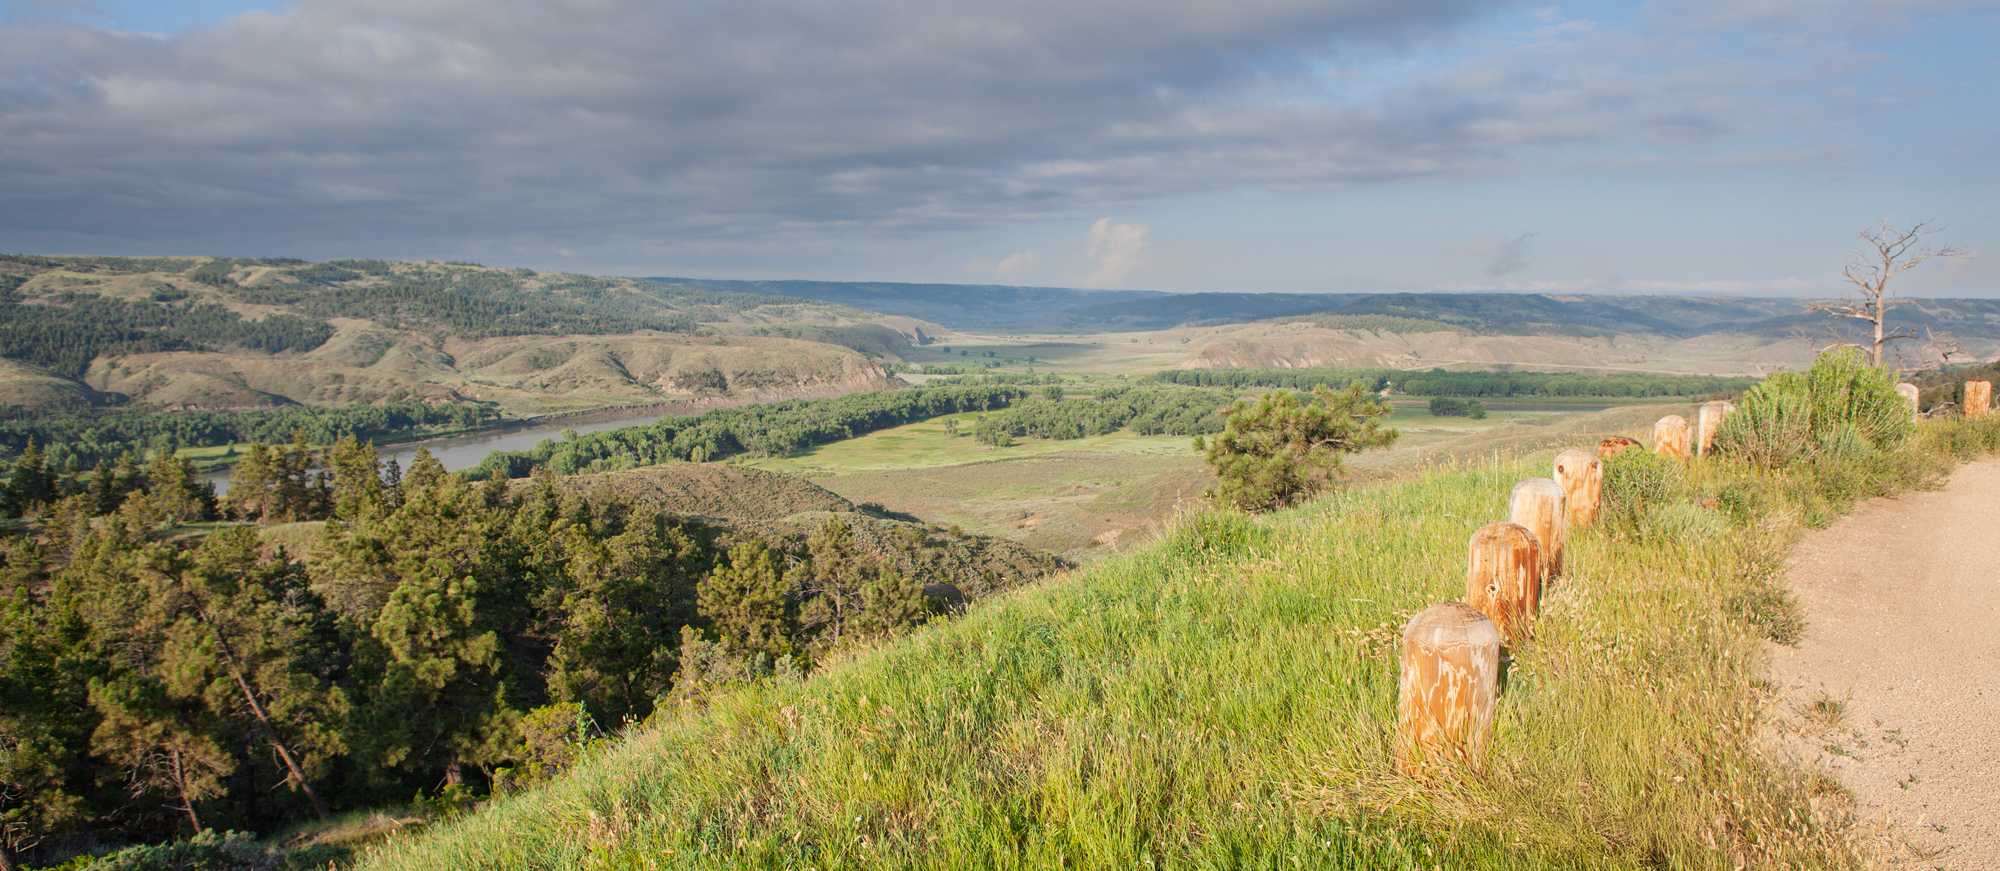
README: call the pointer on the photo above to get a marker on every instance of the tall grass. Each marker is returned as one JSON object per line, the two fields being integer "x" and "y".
{"x": 1225, "y": 698}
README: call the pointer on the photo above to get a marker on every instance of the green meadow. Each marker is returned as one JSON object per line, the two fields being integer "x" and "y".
{"x": 1224, "y": 698}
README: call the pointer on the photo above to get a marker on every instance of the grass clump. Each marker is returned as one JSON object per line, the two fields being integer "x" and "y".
{"x": 1225, "y": 698}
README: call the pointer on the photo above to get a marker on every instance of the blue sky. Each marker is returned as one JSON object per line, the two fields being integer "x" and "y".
{"x": 1691, "y": 146}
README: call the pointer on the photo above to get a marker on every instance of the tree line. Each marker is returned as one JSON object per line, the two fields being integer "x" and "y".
{"x": 86, "y": 438}
{"x": 1146, "y": 411}
{"x": 774, "y": 429}
{"x": 1486, "y": 385}
{"x": 155, "y": 683}
{"x": 65, "y": 332}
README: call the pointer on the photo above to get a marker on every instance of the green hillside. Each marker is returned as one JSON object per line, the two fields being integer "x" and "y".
{"x": 175, "y": 333}
{"x": 1224, "y": 698}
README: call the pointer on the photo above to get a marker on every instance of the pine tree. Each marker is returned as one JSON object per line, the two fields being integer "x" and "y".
{"x": 746, "y": 601}
{"x": 832, "y": 582}
{"x": 1277, "y": 452}
{"x": 251, "y": 485}
{"x": 617, "y": 627}
{"x": 29, "y": 487}
{"x": 357, "y": 478}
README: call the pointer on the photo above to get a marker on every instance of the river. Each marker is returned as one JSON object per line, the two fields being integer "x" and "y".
{"x": 464, "y": 452}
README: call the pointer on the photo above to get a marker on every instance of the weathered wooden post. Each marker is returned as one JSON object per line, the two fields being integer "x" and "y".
{"x": 1541, "y": 505}
{"x": 1670, "y": 437}
{"x": 1707, "y": 421}
{"x": 1978, "y": 398}
{"x": 1450, "y": 687}
{"x": 1581, "y": 475}
{"x": 1910, "y": 394}
{"x": 1503, "y": 577}
{"x": 1614, "y": 446}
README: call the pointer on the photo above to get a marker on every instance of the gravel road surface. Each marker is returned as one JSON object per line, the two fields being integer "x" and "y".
{"x": 1895, "y": 686}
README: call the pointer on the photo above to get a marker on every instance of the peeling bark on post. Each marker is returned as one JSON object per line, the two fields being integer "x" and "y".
{"x": 1614, "y": 446}
{"x": 1450, "y": 687}
{"x": 1708, "y": 421}
{"x": 1581, "y": 475}
{"x": 1503, "y": 577}
{"x": 1978, "y": 398}
{"x": 1541, "y": 505}
{"x": 1910, "y": 394}
{"x": 1670, "y": 437}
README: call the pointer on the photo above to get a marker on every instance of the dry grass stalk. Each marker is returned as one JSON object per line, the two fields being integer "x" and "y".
{"x": 1503, "y": 577}
{"x": 1450, "y": 687}
{"x": 1670, "y": 437}
{"x": 1541, "y": 505}
{"x": 1581, "y": 475}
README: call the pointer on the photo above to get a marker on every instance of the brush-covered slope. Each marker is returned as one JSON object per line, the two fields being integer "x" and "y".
{"x": 788, "y": 508}
{"x": 1225, "y": 699}
{"x": 233, "y": 333}
{"x": 714, "y": 490}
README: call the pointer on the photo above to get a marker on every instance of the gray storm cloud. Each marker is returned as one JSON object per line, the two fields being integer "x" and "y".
{"x": 360, "y": 125}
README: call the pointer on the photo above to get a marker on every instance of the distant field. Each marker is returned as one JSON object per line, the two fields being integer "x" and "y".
{"x": 1089, "y": 497}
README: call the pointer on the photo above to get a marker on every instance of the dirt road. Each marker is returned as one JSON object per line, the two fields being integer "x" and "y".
{"x": 1895, "y": 687}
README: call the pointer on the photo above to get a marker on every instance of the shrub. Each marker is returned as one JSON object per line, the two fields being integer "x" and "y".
{"x": 1635, "y": 481}
{"x": 1841, "y": 407}
{"x": 1278, "y": 452}
{"x": 1446, "y": 406}
{"x": 206, "y": 851}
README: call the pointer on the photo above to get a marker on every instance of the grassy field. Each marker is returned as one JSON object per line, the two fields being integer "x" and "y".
{"x": 1091, "y": 497}
{"x": 1224, "y": 698}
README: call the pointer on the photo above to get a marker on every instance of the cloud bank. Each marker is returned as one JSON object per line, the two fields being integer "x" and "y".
{"x": 379, "y": 126}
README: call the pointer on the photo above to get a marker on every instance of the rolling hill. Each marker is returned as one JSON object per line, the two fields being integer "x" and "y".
{"x": 217, "y": 333}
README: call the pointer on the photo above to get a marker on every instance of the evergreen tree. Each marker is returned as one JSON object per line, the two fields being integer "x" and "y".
{"x": 30, "y": 485}
{"x": 832, "y": 581}
{"x": 1278, "y": 452}
{"x": 357, "y": 478}
{"x": 251, "y": 485}
{"x": 746, "y": 601}
{"x": 627, "y": 597}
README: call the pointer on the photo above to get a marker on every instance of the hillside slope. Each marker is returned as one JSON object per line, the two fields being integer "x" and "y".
{"x": 1226, "y": 698}
{"x": 219, "y": 333}
{"x": 787, "y": 508}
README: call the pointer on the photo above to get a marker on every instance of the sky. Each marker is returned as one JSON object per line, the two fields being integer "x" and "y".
{"x": 1678, "y": 146}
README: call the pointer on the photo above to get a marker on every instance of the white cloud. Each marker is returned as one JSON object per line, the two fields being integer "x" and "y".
{"x": 1116, "y": 251}
{"x": 378, "y": 128}
{"x": 1019, "y": 263}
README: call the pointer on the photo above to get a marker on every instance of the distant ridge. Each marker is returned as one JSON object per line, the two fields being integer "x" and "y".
{"x": 960, "y": 306}
{"x": 1065, "y": 310}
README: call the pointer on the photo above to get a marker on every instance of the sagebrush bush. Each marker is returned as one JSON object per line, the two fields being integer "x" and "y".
{"x": 209, "y": 850}
{"x": 1633, "y": 482}
{"x": 1842, "y": 406}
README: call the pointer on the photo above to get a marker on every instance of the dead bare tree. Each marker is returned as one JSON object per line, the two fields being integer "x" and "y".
{"x": 1887, "y": 251}
{"x": 1935, "y": 353}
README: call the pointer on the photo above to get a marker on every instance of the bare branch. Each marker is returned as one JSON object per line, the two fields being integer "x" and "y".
{"x": 1886, "y": 252}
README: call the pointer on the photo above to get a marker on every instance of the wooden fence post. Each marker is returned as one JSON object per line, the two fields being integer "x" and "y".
{"x": 1450, "y": 687}
{"x": 1581, "y": 475}
{"x": 1910, "y": 394}
{"x": 1978, "y": 398}
{"x": 1614, "y": 446}
{"x": 1541, "y": 505}
{"x": 1503, "y": 577}
{"x": 1670, "y": 437}
{"x": 1708, "y": 421}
